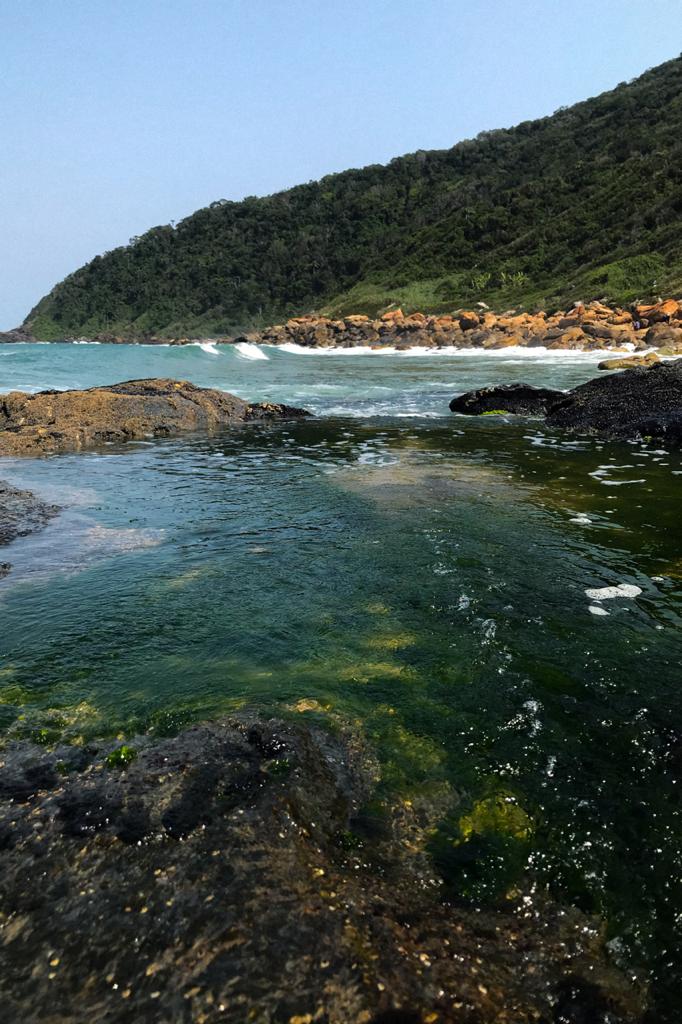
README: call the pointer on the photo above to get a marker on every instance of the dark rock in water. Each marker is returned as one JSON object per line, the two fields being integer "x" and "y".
{"x": 21, "y": 513}
{"x": 57, "y": 421}
{"x": 519, "y": 399}
{"x": 641, "y": 402}
{"x": 211, "y": 877}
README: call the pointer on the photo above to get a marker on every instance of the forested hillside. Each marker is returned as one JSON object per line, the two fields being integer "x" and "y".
{"x": 586, "y": 203}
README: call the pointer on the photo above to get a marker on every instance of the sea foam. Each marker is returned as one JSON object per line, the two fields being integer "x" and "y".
{"x": 247, "y": 350}
{"x": 208, "y": 346}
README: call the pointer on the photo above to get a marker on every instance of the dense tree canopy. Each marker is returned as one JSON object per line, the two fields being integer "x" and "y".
{"x": 585, "y": 203}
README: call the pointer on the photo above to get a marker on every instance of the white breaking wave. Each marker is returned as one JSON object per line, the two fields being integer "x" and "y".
{"x": 208, "y": 346}
{"x": 357, "y": 350}
{"x": 247, "y": 350}
{"x": 511, "y": 354}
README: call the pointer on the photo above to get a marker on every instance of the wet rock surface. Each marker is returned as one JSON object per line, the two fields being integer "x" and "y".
{"x": 239, "y": 872}
{"x": 21, "y": 513}
{"x": 519, "y": 399}
{"x": 628, "y": 362}
{"x": 58, "y": 421}
{"x": 645, "y": 402}
{"x": 641, "y": 402}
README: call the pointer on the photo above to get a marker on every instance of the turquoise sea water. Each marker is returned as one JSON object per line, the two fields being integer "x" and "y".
{"x": 422, "y": 574}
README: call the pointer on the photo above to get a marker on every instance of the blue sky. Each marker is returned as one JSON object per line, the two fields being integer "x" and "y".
{"x": 116, "y": 115}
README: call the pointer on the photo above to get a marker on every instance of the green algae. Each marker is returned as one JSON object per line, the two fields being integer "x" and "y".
{"x": 499, "y": 814}
{"x": 482, "y": 856}
{"x": 121, "y": 757}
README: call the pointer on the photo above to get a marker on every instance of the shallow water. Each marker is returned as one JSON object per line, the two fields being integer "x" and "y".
{"x": 420, "y": 573}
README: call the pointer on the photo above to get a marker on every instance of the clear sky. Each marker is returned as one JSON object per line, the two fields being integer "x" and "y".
{"x": 117, "y": 115}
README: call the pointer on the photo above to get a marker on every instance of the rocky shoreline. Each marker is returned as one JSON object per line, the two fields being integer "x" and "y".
{"x": 594, "y": 326}
{"x": 61, "y": 421}
{"x": 244, "y": 871}
{"x": 585, "y": 328}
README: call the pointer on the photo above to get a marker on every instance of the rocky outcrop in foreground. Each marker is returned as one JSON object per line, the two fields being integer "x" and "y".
{"x": 238, "y": 873}
{"x": 585, "y": 327}
{"x": 21, "y": 513}
{"x": 641, "y": 402}
{"x": 60, "y": 421}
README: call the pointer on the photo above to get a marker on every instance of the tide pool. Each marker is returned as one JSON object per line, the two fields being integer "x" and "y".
{"x": 421, "y": 575}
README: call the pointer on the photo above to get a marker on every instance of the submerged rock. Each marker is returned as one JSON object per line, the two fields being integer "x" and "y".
{"x": 642, "y": 402}
{"x": 519, "y": 399}
{"x": 58, "y": 421}
{"x": 238, "y": 872}
{"x": 21, "y": 513}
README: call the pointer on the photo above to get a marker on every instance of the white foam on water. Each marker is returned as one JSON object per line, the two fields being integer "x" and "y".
{"x": 626, "y": 590}
{"x": 515, "y": 353}
{"x": 581, "y": 519}
{"x": 356, "y": 350}
{"x": 596, "y": 609}
{"x": 620, "y": 483}
{"x": 248, "y": 351}
{"x": 377, "y": 459}
{"x": 511, "y": 355}
{"x": 207, "y": 346}
{"x": 70, "y": 544}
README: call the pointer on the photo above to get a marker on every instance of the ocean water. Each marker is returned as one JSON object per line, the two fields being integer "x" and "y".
{"x": 422, "y": 575}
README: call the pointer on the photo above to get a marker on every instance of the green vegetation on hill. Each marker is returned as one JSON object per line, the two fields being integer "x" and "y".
{"x": 585, "y": 203}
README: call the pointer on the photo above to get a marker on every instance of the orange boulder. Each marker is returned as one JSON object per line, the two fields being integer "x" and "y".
{"x": 468, "y": 320}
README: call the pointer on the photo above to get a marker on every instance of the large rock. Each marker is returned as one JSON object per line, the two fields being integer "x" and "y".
{"x": 58, "y": 421}
{"x": 608, "y": 333}
{"x": 662, "y": 312}
{"x": 663, "y": 335}
{"x": 237, "y": 872}
{"x": 629, "y": 362}
{"x": 468, "y": 320}
{"x": 519, "y": 399}
{"x": 642, "y": 402}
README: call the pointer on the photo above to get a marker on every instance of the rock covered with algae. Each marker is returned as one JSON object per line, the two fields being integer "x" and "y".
{"x": 645, "y": 401}
{"x": 244, "y": 871}
{"x": 59, "y": 421}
